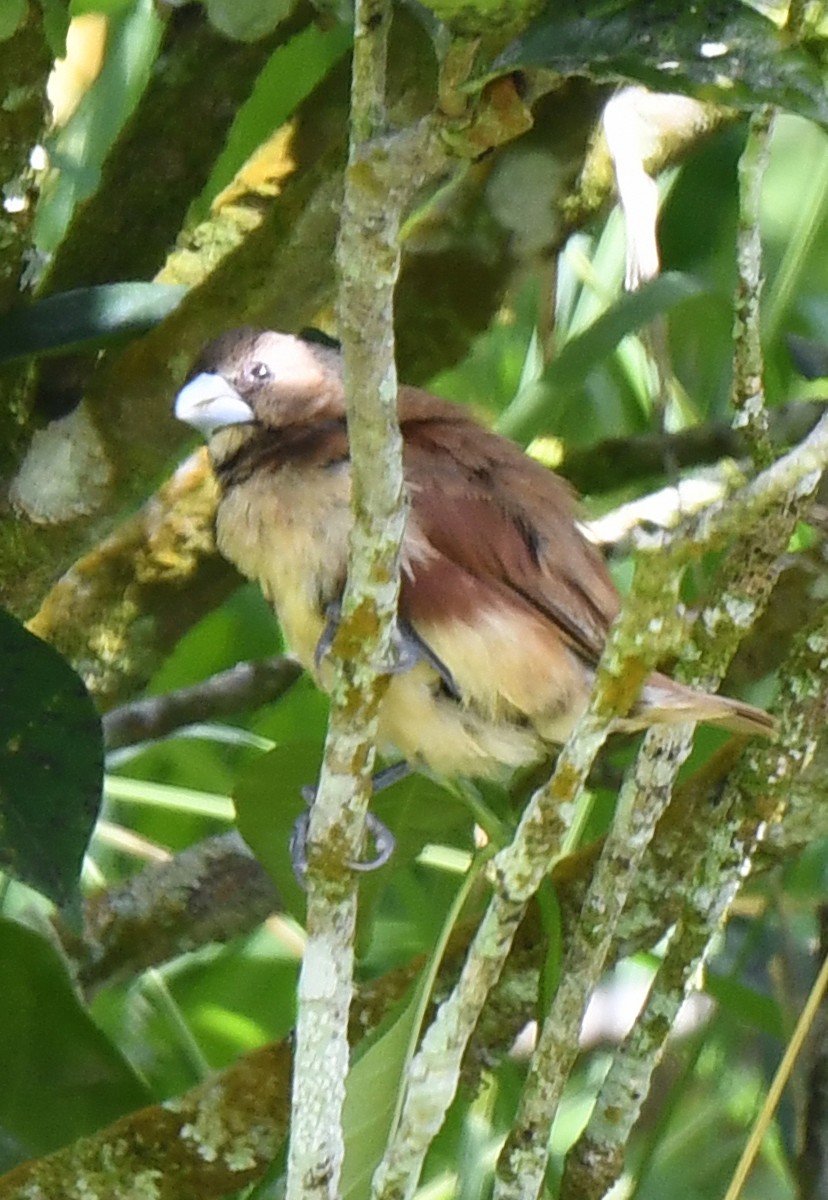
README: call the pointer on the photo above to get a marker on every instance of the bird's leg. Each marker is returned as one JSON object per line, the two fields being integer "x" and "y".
{"x": 383, "y": 837}
{"x": 409, "y": 649}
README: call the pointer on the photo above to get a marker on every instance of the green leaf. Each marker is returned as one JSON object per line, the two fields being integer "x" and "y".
{"x": 51, "y": 764}
{"x": 268, "y": 800}
{"x": 748, "y": 1005}
{"x": 808, "y": 356}
{"x": 79, "y": 148}
{"x": 79, "y": 7}
{"x": 12, "y": 13}
{"x": 247, "y": 20}
{"x": 722, "y": 51}
{"x": 55, "y": 25}
{"x": 291, "y": 74}
{"x": 62, "y": 1078}
{"x": 86, "y": 318}
{"x": 371, "y": 1098}
{"x": 533, "y": 408}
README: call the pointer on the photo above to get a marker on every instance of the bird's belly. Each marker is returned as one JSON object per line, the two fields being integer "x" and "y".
{"x": 520, "y": 690}
{"x": 431, "y": 729}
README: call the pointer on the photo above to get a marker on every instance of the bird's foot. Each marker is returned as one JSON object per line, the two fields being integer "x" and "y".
{"x": 382, "y": 836}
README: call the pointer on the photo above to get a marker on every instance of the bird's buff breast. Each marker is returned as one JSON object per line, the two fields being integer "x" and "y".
{"x": 288, "y": 531}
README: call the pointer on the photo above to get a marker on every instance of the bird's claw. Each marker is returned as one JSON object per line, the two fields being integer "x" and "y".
{"x": 384, "y": 843}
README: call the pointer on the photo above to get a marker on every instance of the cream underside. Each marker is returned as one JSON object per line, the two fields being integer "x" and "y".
{"x": 522, "y": 687}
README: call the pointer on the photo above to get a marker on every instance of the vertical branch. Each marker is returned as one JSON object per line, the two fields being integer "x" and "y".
{"x": 368, "y": 259}
{"x": 748, "y": 392}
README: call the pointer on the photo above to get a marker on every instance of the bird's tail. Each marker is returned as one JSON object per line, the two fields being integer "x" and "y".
{"x": 664, "y": 701}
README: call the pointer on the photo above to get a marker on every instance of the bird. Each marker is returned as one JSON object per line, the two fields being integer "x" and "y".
{"x": 504, "y": 604}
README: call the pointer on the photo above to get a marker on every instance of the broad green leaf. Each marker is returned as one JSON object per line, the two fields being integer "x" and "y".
{"x": 372, "y": 1098}
{"x": 746, "y": 1004}
{"x": 51, "y": 764}
{"x": 290, "y": 75}
{"x": 714, "y": 50}
{"x": 531, "y": 411}
{"x": 86, "y": 318}
{"x": 79, "y": 7}
{"x": 62, "y": 1078}
{"x": 55, "y": 25}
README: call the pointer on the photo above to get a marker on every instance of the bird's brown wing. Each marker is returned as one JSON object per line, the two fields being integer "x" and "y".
{"x": 485, "y": 518}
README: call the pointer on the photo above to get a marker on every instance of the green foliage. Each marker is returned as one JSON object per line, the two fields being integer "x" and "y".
{"x": 540, "y": 407}
{"x": 12, "y": 13}
{"x": 62, "y": 1078}
{"x": 246, "y": 20}
{"x": 51, "y": 765}
{"x": 86, "y": 319}
{"x": 727, "y": 52}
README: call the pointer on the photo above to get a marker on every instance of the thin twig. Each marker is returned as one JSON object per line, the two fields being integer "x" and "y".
{"x": 248, "y": 685}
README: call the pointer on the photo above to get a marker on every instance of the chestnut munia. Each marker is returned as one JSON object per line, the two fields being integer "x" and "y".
{"x": 504, "y": 604}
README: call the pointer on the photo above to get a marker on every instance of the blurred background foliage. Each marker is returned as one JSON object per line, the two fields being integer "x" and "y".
{"x": 177, "y": 133}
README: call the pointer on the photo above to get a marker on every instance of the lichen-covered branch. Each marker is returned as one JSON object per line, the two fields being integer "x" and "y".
{"x": 748, "y": 391}
{"x": 382, "y": 175}
{"x": 760, "y": 783}
{"x": 741, "y": 591}
{"x": 211, "y": 892}
{"x": 203, "y": 1145}
{"x": 126, "y": 603}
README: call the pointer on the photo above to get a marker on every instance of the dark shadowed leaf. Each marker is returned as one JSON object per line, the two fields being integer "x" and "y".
{"x": 51, "y": 764}
{"x": 62, "y": 1078}
{"x": 809, "y": 357}
{"x": 718, "y": 50}
{"x": 86, "y": 318}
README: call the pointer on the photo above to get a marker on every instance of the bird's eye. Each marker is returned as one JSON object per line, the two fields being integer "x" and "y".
{"x": 260, "y": 372}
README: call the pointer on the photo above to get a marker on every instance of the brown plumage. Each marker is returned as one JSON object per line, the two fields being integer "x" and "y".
{"x": 499, "y": 585}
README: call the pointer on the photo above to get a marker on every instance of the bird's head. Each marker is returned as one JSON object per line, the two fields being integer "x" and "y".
{"x": 260, "y": 378}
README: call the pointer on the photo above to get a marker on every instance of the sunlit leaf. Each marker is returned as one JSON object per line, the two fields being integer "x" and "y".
{"x": 532, "y": 409}
{"x": 51, "y": 764}
{"x": 86, "y": 318}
